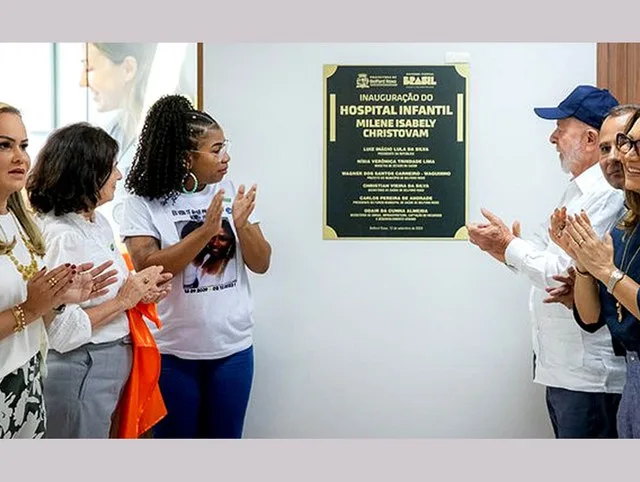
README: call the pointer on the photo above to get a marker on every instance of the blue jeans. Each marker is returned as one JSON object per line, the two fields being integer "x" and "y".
{"x": 582, "y": 414}
{"x": 629, "y": 410}
{"x": 205, "y": 398}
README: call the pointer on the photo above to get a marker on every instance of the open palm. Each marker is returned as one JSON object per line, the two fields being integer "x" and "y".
{"x": 243, "y": 206}
{"x": 90, "y": 283}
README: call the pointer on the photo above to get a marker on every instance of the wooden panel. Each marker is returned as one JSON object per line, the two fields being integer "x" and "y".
{"x": 200, "y": 76}
{"x": 603, "y": 61}
{"x": 618, "y": 69}
{"x": 634, "y": 62}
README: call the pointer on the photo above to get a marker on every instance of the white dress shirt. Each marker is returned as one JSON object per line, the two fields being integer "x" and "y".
{"x": 565, "y": 355}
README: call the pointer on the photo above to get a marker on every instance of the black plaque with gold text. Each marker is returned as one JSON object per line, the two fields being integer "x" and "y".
{"x": 395, "y": 151}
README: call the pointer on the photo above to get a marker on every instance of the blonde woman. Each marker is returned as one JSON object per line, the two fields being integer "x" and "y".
{"x": 29, "y": 291}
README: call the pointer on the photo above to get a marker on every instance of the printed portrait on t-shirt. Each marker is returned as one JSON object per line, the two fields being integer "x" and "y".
{"x": 214, "y": 267}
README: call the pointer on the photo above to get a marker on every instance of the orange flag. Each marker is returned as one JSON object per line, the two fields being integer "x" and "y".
{"x": 141, "y": 406}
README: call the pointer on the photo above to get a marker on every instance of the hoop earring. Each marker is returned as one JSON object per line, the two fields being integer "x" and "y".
{"x": 195, "y": 183}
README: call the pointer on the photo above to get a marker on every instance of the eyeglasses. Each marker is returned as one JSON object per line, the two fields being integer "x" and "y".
{"x": 625, "y": 144}
{"x": 224, "y": 149}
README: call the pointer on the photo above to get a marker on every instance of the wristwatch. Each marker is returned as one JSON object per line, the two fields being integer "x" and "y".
{"x": 616, "y": 276}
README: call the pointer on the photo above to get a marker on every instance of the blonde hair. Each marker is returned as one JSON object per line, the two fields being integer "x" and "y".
{"x": 17, "y": 205}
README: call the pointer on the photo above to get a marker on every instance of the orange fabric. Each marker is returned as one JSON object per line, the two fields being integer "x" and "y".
{"x": 127, "y": 259}
{"x": 141, "y": 406}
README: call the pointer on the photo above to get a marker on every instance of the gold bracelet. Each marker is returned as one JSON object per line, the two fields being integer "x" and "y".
{"x": 18, "y": 314}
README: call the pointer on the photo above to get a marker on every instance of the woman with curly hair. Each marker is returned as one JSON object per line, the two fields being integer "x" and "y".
{"x": 178, "y": 177}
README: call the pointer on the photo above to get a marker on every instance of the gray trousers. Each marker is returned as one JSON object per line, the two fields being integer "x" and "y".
{"x": 83, "y": 387}
{"x": 629, "y": 410}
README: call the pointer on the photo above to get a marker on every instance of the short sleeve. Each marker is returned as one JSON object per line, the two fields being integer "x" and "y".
{"x": 137, "y": 219}
{"x": 588, "y": 327}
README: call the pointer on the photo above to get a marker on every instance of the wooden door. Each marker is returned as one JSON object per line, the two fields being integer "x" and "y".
{"x": 618, "y": 67}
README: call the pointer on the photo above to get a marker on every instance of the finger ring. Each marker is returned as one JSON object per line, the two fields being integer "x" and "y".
{"x": 581, "y": 243}
{"x": 53, "y": 281}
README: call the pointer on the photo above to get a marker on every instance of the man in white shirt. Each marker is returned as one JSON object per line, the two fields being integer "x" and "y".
{"x": 582, "y": 375}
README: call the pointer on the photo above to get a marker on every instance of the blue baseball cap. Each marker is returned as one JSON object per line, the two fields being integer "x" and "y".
{"x": 586, "y": 103}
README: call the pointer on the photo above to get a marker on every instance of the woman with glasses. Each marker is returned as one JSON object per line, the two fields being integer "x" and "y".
{"x": 607, "y": 289}
{"x": 179, "y": 206}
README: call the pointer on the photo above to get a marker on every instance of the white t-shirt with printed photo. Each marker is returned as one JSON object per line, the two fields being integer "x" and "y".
{"x": 208, "y": 313}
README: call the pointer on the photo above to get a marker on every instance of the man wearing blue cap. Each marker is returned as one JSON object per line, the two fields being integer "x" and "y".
{"x": 582, "y": 374}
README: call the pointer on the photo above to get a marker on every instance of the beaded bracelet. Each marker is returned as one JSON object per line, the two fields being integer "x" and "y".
{"x": 18, "y": 314}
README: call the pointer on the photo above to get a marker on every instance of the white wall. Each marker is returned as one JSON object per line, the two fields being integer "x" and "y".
{"x": 384, "y": 338}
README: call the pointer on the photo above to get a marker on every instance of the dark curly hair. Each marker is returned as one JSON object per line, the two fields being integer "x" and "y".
{"x": 171, "y": 129}
{"x": 71, "y": 168}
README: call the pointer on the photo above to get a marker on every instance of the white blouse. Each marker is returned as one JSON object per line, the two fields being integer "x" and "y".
{"x": 71, "y": 238}
{"x": 18, "y": 348}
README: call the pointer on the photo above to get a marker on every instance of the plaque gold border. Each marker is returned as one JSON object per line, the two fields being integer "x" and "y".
{"x": 328, "y": 233}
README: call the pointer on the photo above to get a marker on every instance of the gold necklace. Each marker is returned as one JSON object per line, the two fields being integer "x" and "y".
{"x": 622, "y": 268}
{"x": 27, "y": 271}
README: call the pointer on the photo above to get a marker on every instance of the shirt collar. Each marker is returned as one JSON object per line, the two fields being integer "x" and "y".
{"x": 588, "y": 178}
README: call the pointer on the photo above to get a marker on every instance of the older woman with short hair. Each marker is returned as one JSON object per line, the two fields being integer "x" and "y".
{"x": 91, "y": 355}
